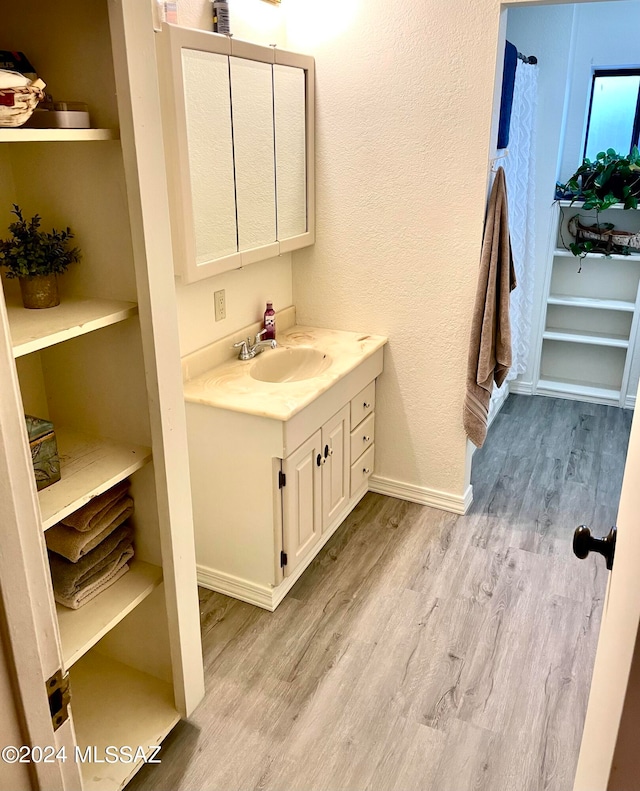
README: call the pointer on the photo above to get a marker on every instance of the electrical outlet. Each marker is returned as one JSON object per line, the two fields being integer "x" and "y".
{"x": 220, "y": 305}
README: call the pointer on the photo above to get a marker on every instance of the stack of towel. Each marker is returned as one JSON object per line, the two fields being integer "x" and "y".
{"x": 90, "y": 549}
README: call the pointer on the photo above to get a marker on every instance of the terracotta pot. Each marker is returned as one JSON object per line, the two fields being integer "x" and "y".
{"x": 39, "y": 291}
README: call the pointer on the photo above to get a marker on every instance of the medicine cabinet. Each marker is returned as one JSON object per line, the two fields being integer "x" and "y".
{"x": 238, "y": 123}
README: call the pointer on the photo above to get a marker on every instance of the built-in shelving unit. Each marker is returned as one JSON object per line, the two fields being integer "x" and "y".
{"x": 21, "y": 135}
{"x": 134, "y": 708}
{"x": 592, "y": 302}
{"x": 574, "y": 388}
{"x": 590, "y": 319}
{"x": 91, "y": 367}
{"x": 633, "y": 257}
{"x": 81, "y": 629}
{"x": 32, "y": 330}
{"x": 89, "y": 466}
{"x": 586, "y": 336}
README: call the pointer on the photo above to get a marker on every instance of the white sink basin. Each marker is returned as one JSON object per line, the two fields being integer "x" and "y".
{"x": 290, "y": 365}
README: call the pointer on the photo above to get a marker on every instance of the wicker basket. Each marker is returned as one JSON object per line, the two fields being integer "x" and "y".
{"x": 17, "y": 104}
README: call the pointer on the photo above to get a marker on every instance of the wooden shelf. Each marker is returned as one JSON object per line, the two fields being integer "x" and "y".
{"x": 585, "y": 336}
{"x": 569, "y": 388}
{"x": 113, "y": 704}
{"x": 560, "y": 253}
{"x": 81, "y": 629}
{"x": 89, "y": 466}
{"x": 22, "y": 135}
{"x": 32, "y": 330}
{"x": 591, "y": 302}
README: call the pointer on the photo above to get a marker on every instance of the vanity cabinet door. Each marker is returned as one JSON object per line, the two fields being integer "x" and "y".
{"x": 302, "y": 501}
{"x": 336, "y": 468}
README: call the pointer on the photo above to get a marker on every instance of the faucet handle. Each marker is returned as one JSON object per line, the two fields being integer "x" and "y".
{"x": 245, "y": 349}
{"x": 260, "y": 334}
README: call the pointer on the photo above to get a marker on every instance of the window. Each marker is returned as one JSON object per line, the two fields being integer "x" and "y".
{"x": 614, "y": 112}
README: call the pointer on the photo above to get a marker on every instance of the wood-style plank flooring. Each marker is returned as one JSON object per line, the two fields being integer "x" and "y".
{"x": 422, "y": 650}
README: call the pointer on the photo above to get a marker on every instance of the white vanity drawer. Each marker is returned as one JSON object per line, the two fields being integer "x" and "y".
{"x": 361, "y": 470}
{"x": 362, "y": 437}
{"x": 362, "y": 405}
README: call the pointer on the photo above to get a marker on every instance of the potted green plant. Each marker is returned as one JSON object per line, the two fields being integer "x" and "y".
{"x": 609, "y": 179}
{"x": 36, "y": 258}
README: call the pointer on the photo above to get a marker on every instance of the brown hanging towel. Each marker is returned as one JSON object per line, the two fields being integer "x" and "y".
{"x": 490, "y": 343}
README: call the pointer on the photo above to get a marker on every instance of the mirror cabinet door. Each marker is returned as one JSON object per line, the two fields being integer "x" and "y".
{"x": 210, "y": 148}
{"x": 291, "y": 152}
{"x": 252, "y": 102}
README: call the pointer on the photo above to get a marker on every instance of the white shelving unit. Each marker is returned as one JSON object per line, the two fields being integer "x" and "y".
{"x": 103, "y": 366}
{"x": 32, "y": 330}
{"x": 89, "y": 466}
{"x": 56, "y": 135}
{"x": 81, "y": 629}
{"x": 136, "y": 709}
{"x": 590, "y": 319}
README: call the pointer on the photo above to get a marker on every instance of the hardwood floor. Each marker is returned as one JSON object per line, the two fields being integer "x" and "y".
{"x": 422, "y": 650}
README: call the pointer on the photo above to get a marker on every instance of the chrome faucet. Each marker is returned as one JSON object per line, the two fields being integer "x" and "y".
{"x": 248, "y": 350}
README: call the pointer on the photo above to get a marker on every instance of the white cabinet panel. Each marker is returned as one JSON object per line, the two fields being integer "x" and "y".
{"x": 252, "y": 99}
{"x": 302, "y": 502}
{"x": 289, "y": 107}
{"x": 210, "y": 151}
{"x": 335, "y": 470}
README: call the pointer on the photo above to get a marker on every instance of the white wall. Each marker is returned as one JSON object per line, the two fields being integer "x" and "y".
{"x": 546, "y": 32}
{"x": 246, "y": 289}
{"x": 403, "y": 120}
{"x": 606, "y": 36}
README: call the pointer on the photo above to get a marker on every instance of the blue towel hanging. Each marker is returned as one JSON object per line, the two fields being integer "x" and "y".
{"x": 506, "y": 102}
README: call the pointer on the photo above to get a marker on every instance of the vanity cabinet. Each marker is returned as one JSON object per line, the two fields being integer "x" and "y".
{"x": 269, "y": 493}
{"x": 315, "y": 488}
{"x": 238, "y": 122}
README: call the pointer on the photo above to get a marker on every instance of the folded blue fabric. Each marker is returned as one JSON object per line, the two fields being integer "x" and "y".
{"x": 506, "y": 102}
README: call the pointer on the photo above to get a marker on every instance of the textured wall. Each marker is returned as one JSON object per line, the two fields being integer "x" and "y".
{"x": 404, "y": 104}
{"x": 246, "y": 289}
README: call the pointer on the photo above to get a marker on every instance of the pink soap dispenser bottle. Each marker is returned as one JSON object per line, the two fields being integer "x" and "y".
{"x": 269, "y": 323}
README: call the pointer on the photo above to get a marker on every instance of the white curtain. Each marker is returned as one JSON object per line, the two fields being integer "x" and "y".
{"x": 519, "y": 168}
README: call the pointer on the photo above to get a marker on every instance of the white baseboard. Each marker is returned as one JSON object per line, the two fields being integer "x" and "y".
{"x": 238, "y": 588}
{"x": 495, "y": 405}
{"x": 630, "y": 402}
{"x": 521, "y": 388}
{"x": 445, "y": 501}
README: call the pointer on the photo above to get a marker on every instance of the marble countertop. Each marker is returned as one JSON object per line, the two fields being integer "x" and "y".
{"x": 230, "y": 385}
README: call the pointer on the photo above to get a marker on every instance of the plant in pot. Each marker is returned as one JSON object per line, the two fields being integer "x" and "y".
{"x": 609, "y": 179}
{"x": 36, "y": 258}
